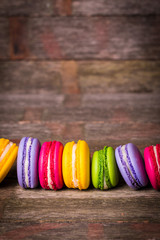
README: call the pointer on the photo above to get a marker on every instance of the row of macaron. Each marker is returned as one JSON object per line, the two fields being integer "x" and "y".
{"x": 53, "y": 165}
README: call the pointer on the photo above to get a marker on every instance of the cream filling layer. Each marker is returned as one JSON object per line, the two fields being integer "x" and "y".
{"x": 74, "y": 167}
{"x": 9, "y": 145}
{"x": 156, "y": 156}
{"x": 49, "y": 171}
{"x": 105, "y": 184}
{"x": 26, "y": 162}
{"x": 125, "y": 159}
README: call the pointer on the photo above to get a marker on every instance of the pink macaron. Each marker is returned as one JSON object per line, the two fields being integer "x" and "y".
{"x": 50, "y": 165}
{"x": 152, "y": 164}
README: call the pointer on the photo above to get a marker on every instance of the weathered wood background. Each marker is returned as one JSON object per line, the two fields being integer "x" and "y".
{"x": 80, "y": 69}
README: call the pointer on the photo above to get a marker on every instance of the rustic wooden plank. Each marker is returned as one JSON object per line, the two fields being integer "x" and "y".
{"x": 80, "y": 77}
{"x": 80, "y": 209}
{"x": 119, "y": 76}
{"x": 31, "y": 77}
{"x": 111, "y": 119}
{"x": 62, "y": 7}
{"x": 78, "y": 7}
{"x": 34, "y": 213}
{"x": 99, "y": 108}
{"x": 122, "y": 191}
{"x": 18, "y": 38}
{"x": 85, "y": 230}
{"x": 103, "y": 38}
{"x": 35, "y": 8}
{"x": 58, "y": 132}
{"x": 100, "y": 119}
{"x": 42, "y": 131}
{"x": 69, "y": 77}
{"x": 119, "y": 7}
{"x": 4, "y": 38}
{"x": 97, "y": 135}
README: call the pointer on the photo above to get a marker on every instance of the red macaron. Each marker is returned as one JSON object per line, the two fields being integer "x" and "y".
{"x": 152, "y": 164}
{"x": 50, "y": 165}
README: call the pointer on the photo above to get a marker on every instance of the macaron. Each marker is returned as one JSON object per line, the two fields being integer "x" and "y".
{"x": 131, "y": 166}
{"x": 152, "y": 164}
{"x": 50, "y": 165}
{"x": 27, "y": 162}
{"x": 8, "y": 154}
{"x": 104, "y": 169}
{"x": 76, "y": 165}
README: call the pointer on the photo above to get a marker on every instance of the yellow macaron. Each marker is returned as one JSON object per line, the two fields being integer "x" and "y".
{"x": 8, "y": 154}
{"x": 76, "y": 165}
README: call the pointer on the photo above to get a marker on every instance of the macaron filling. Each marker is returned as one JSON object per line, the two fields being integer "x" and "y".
{"x": 106, "y": 171}
{"x": 133, "y": 183}
{"x": 103, "y": 174}
{"x": 128, "y": 167}
{"x": 48, "y": 166}
{"x": 7, "y": 148}
{"x": 74, "y": 167}
{"x": 105, "y": 184}
{"x": 49, "y": 171}
{"x": 51, "y": 177}
{"x": 26, "y": 163}
{"x": 101, "y": 169}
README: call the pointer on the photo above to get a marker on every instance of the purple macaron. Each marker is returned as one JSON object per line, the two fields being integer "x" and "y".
{"x": 131, "y": 165}
{"x": 27, "y": 162}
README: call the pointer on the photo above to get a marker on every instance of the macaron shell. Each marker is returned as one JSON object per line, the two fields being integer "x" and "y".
{"x": 84, "y": 165}
{"x": 9, "y": 162}
{"x": 124, "y": 172}
{"x": 150, "y": 167}
{"x": 67, "y": 164}
{"x": 95, "y": 169}
{"x": 4, "y": 160}
{"x": 42, "y": 158}
{"x": 138, "y": 163}
{"x": 3, "y": 144}
{"x": 56, "y": 149}
{"x": 19, "y": 161}
{"x": 58, "y": 165}
{"x": 112, "y": 167}
{"x": 35, "y": 149}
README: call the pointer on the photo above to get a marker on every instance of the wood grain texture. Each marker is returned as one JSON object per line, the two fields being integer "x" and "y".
{"x": 71, "y": 212}
{"x": 91, "y": 231}
{"x": 119, "y": 76}
{"x": 79, "y": 209}
{"x": 73, "y": 77}
{"x": 31, "y": 77}
{"x": 18, "y": 38}
{"x": 88, "y": 38}
{"x": 118, "y": 7}
{"x": 101, "y": 119}
{"x": 78, "y": 7}
{"x": 80, "y": 69}
{"x": 4, "y": 39}
{"x": 35, "y": 8}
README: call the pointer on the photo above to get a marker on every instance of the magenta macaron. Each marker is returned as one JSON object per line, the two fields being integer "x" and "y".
{"x": 50, "y": 165}
{"x": 152, "y": 164}
{"x": 131, "y": 165}
{"x": 27, "y": 162}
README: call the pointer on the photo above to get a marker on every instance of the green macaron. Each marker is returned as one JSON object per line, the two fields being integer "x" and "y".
{"x": 104, "y": 170}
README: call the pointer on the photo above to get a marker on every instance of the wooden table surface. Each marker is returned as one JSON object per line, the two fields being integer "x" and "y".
{"x": 80, "y": 69}
{"x": 101, "y": 119}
